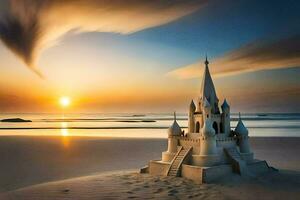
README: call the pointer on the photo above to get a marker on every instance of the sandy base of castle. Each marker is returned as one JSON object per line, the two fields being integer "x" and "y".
{"x": 209, "y": 174}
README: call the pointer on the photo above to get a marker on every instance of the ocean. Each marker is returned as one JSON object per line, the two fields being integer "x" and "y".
{"x": 138, "y": 125}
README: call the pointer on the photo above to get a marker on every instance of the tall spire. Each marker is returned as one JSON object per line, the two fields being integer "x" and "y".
{"x": 175, "y": 116}
{"x": 208, "y": 89}
{"x": 206, "y": 61}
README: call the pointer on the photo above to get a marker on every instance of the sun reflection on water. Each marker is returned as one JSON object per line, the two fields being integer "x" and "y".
{"x": 65, "y": 134}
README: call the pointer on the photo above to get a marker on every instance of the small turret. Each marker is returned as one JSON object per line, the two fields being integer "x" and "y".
{"x": 225, "y": 107}
{"x": 174, "y": 129}
{"x": 192, "y": 110}
{"x": 206, "y": 109}
{"x": 240, "y": 128}
{"x": 208, "y": 145}
{"x": 192, "y": 106}
{"x": 242, "y": 134}
{"x": 225, "y": 126}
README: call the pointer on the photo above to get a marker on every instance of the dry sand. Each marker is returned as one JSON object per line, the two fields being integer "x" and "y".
{"x": 282, "y": 153}
{"x": 130, "y": 185}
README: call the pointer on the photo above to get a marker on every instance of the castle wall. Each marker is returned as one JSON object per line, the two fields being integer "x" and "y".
{"x": 158, "y": 168}
{"x": 218, "y": 118}
{"x": 198, "y": 118}
{"x": 248, "y": 157}
{"x": 188, "y": 142}
{"x": 213, "y": 173}
{"x": 192, "y": 172}
{"x": 205, "y": 160}
{"x": 194, "y": 141}
{"x": 258, "y": 167}
{"x": 191, "y": 122}
{"x": 204, "y": 174}
{"x": 226, "y": 142}
{"x": 167, "y": 156}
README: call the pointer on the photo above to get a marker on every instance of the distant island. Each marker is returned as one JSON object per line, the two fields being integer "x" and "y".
{"x": 15, "y": 120}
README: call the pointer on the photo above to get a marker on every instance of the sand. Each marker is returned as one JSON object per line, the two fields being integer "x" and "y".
{"x": 282, "y": 153}
{"x": 32, "y": 160}
{"x": 131, "y": 185}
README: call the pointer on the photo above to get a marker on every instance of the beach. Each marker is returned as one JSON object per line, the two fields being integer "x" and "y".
{"x": 95, "y": 168}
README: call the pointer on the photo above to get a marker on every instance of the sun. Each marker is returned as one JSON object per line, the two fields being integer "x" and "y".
{"x": 64, "y": 101}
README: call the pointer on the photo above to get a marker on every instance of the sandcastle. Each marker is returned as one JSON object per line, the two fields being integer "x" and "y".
{"x": 210, "y": 149}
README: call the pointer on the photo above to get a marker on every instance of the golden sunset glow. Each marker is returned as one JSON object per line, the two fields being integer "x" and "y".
{"x": 152, "y": 63}
{"x": 64, "y": 101}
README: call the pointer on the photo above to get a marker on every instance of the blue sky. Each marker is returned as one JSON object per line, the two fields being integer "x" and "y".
{"x": 100, "y": 62}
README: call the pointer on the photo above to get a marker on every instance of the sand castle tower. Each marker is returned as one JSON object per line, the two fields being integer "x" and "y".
{"x": 209, "y": 149}
{"x": 208, "y": 144}
{"x": 192, "y": 110}
{"x": 225, "y": 125}
{"x": 173, "y": 131}
{"x": 243, "y": 138}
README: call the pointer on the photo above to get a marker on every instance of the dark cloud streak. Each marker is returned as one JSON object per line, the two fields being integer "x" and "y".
{"x": 30, "y": 26}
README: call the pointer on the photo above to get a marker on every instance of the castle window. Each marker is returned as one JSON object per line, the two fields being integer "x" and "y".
{"x": 197, "y": 127}
{"x": 221, "y": 128}
{"x": 207, "y": 116}
{"x": 215, "y": 126}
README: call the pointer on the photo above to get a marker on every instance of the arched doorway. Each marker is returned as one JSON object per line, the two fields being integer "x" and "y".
{"x": 197, "y": 127}
{"x": 215, "y": 126}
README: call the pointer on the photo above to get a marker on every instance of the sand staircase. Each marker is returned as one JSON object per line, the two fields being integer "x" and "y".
{"x": 177, "y": 161}
{"x": 238, "y": 164}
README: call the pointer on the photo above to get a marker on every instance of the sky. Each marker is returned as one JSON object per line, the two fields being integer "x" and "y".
{"x": 147, "y": 56}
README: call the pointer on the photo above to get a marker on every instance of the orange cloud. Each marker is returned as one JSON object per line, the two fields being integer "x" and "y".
{"x": 255, "y": 56}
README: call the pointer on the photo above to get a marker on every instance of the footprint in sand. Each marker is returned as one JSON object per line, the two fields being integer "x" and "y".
{"x": 159, "y": 190}
{"x": 136, "y": 189}
{"x": 172, "y": 192}
{"x": 66, "y": 190}
{"x": 129, "y": 182}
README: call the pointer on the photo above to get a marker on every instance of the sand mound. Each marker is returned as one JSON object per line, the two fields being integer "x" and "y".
{"x": 132, "y": 185}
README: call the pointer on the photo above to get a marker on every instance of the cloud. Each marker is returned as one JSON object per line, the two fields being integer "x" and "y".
{"x": 29, "y": 26}
{"x": 255, "y": 56}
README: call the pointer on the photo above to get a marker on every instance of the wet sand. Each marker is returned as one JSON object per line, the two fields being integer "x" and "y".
{"x": 28, "y": 161}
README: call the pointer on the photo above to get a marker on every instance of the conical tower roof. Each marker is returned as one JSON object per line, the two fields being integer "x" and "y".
{"x": 225, "y": 105}
{"x": 240, "y": 128}
{"x": 192, "y": 106}
{"x": 207, "y": 87}
{"x": 174, "y": 129}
